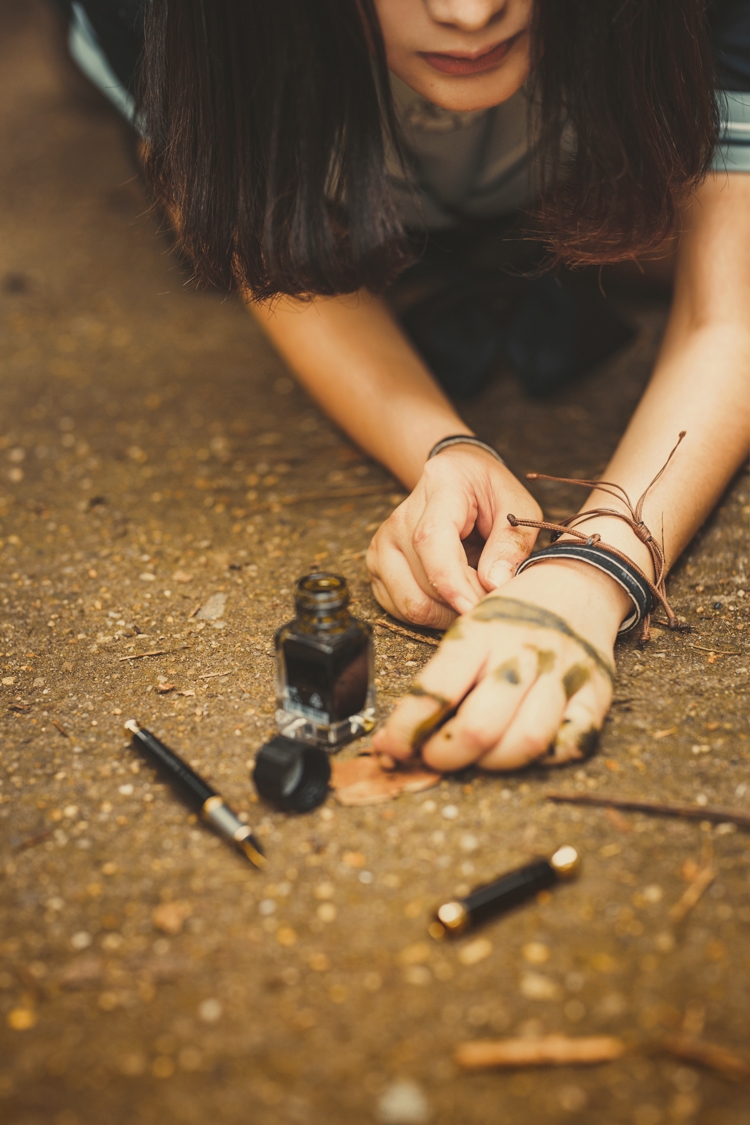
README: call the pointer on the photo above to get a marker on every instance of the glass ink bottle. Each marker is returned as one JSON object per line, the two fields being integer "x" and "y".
{"x": 325, "y": 688}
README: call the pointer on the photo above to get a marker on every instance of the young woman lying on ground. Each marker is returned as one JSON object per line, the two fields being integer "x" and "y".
{"x": 295, "y": 142}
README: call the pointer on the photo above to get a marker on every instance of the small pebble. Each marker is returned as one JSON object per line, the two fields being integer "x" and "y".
{"x": 213, "y": 609}
{"x": 403, "y": 1103}
{"x": 534, "y": 986}
{"x": 535, "y": 952}
{"x": 210, "y": 1010}
{"x": 450, "y": 812}
{"x": 475, "y": 951}
{"x": 21, "y": 1019}
{"x": 81, "y": 940}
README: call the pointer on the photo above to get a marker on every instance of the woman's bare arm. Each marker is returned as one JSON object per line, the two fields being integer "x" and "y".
{"x": 353, "y": 358}
{"x": 531, "y": 662}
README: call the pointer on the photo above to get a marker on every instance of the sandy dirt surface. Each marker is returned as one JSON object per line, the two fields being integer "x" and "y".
{"x": 150, "y": 442}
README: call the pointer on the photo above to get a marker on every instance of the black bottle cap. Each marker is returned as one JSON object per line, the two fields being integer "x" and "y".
{"x": 292, "y": 775}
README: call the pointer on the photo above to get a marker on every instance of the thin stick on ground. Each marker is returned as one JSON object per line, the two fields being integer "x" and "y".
{"x": 711, "y": 1055}
{"x": 716, "y": 814}
{"x": 381, "y": 623}
{"x": 61, "y": 728}
{"x": 717, "y": 651}
{"x": 328, "y": 494}
{"x": 546, "y": 1050}
{"x": 30, "y": 841}
{"x": 692, "y": 894}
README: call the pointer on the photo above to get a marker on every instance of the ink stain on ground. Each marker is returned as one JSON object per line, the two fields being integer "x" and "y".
{"x": 147, "y": 973}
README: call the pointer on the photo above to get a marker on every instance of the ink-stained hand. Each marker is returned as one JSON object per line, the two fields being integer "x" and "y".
{"x": 449, "y": 543}
{"x": 526, "y": 675}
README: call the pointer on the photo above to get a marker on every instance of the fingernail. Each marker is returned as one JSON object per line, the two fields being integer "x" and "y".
{"x": 499, "y": 573}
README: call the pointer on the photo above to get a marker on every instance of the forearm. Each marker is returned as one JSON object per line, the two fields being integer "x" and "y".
{"x": 700, "y": 385}
{"x": 354, "y": 360}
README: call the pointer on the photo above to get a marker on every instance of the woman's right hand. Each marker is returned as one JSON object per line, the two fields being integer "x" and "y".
{"x": 420, "y": 559}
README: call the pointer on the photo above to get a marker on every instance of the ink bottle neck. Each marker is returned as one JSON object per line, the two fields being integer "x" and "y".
{"x": 322, "y": 603}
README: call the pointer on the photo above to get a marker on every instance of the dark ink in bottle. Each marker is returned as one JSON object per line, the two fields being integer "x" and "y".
{"x": 325, "y": 688}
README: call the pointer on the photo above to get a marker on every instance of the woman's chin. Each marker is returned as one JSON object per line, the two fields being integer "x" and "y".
{"x": 466, "y": 93}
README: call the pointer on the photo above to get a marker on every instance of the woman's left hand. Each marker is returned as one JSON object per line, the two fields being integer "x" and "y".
{"x": 530, "y": 668}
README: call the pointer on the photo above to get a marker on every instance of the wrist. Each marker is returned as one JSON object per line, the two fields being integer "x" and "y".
{"x": 587, "y": 598}
{"x": 463, "y": 441}
{"x": 425, "y": 435}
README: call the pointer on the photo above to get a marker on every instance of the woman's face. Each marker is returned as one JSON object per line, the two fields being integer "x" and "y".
{"x": 459, "y": 54}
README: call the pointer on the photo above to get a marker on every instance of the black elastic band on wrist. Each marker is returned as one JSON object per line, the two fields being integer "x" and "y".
{"x": 595, "y": 555}
{"x": 463, "y": 439}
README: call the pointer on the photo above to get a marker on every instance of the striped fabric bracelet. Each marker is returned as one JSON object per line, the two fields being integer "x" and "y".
{"x": 463, "y": 439}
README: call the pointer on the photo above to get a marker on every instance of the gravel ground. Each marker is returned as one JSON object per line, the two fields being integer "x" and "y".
{"x": 150, "y": 441}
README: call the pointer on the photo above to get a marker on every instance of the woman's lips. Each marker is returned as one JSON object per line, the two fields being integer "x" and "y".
{"x": 462, "y": 64}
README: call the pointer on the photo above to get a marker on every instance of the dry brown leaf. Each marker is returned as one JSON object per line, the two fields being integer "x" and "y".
{"x": 84, "y": 972}
{"x": 170, "y": 917}
{"x": 363, "y": 781}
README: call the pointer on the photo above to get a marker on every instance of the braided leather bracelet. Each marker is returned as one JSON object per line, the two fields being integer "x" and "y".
{"x": 591, "y": 549}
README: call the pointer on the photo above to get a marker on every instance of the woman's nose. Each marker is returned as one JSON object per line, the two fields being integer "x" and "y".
{"x": 467, "y": 15}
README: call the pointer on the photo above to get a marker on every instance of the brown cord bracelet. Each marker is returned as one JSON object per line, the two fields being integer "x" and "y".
{"x": 633, "y": 518}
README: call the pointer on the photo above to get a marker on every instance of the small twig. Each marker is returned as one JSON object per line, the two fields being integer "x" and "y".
{"x": 193, "y": 612}
{"x": 62, "y": 730}
{"x": 710, "y": 1055}
{"x": 381, "y": 623}
{"x": 717, "y": 651}
{"x": 154, "y": 652}
{"x": 684, "y": 627}
{"x": 213, "y": 675}
{"x": 547, "y": 1050}
{"x": 20, "y": 708}
{"x": 694, "y": 892}
{"x": 30, "y": 841}
{"x": 329, "y": 494}
{"x": 713, "y": 813}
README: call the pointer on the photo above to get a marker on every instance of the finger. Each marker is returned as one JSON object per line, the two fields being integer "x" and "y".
{"x": 442, "y": 683}
{"x": 531, "y": 732}
{"x": 438, "y": 547}
{"x": 397, "y": 591}
{"x": 505, "y": 548}
{"x": 484, "y": 715}
{"x": 582, "y": 721}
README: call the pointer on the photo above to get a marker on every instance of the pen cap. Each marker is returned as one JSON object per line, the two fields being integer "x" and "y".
{"x": 292, "y": 775}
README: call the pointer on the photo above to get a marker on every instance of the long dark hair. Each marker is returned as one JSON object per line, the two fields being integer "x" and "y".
{"x": 267, "y": 126}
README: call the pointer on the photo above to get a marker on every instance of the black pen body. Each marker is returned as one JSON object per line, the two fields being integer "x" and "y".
{"x": 509, "y": 890}
{"x": 197, "y": 793}
{"x": 190, "y": 785}
{"x": 483, "y": 903}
